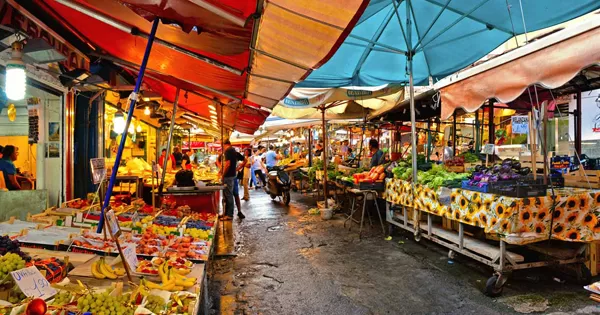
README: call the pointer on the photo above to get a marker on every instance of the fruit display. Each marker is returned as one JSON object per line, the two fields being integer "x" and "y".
{"x": 61, "y": 298}
{"x": 8, "y": 245}
{"x": 10, "y": 262}
{"x": 101, "y": 270}
{"x": 376, "y": 174}
{"x": 167, "y": 221}
{"x": 104, "y": 303}
{"x": 203, "y": 234}
{"x": 181, "y": 303}
{"x": 155, "y": 303}
{"x": 55, "y": 268}
{"x": 170, "y": 280}
{"x": 179, "y": 265}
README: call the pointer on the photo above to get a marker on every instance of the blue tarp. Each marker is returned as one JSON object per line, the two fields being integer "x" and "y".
{"x": 447, "y": 35}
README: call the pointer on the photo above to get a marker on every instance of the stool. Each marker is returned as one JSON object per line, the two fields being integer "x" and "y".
{"x": 366, "y": 195}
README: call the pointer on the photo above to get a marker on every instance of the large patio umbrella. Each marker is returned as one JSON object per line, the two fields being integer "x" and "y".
{"x": 412, "y": 42}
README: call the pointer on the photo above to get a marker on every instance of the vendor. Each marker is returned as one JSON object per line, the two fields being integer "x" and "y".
{"x": 7, "y": 166}
{"x": 161, "y": 159}
{"x": 318, "y": 150}
{"x": 377, "y": 157}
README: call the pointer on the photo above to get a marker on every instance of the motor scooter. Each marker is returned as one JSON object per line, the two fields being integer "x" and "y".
{"x": 278, "y": 184}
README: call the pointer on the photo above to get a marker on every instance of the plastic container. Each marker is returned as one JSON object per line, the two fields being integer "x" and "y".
{"x": 326, "y": 214}
{"x": 466, "y": 186}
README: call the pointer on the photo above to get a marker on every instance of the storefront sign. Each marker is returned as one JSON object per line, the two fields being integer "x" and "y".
{"x": 195, "y": 144}
{"x": 520, "y": 124}
{"x": 14, "y": 16}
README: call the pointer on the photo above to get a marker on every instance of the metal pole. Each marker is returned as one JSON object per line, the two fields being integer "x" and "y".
{"x": 324, "y": 156}
{"x": 491, "y": 134}
{"x": 169, "y": 139}
{"x": 428, "y": 151}
{"x": 310, "y": 156}
{"x": 476, "y": 132}
{"x": 578, "y": 125}
{"x": 413, "y": 130}
{"x": 133, "y": 100}
{"x": 454, "y": 134}
{"x": 222, "y": 142}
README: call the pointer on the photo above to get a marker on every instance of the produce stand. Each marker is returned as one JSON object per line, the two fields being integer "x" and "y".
{"x": 197, "y": 197}
{"x": 508, "y": 222}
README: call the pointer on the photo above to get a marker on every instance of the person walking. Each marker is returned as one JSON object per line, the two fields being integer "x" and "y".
{"x": 259, "y": 166}
{"x": 228, "y": 175}
{"x": 246, "y": 171}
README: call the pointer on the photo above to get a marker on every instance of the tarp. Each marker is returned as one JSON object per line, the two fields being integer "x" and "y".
{"x": 446, "y": 37}
{"x": 550, "y": 62}
{"x": 314, "y": 97}
{"x": 294, "y": 37}
{"x": 286, "y": 30}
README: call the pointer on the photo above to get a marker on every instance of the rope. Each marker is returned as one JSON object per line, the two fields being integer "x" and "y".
{"x": 524, "y": 25}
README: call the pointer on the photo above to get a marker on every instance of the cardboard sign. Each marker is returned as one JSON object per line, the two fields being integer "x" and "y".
{"x": 488, "y": 149}
{"x": 112, "y": 223}
{"x": 32, "y": 283}
{"x": 98, "y": 170}
{"x": 130, "y": 256}
{"x": 520, "y": 124}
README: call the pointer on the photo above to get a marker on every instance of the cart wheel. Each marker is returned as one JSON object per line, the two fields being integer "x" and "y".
{"x": 492, "y": 287}
{"x": 417, "y": 236}
{"x": 451, "y": 254}
{"x": 584, "y": 275}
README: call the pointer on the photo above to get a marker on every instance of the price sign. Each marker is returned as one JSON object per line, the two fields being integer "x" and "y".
{"x": 98, "y": 170}
{"x": 32, "y": 283}
{"x": 130, "y": 256}
{"x": 488, "y": 149}
{"x": 112, "y": 223}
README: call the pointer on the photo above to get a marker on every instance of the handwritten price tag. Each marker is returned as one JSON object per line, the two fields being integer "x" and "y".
{"x": 33, "y": 283}
{"x": 130, "y": 256}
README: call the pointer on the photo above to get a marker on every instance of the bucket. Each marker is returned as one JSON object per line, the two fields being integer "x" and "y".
{"x": 326, "y": 214}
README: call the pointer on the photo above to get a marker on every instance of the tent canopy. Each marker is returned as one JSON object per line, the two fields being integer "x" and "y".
{"x": 550, "y": 62}
{"x": 446, "y": 36}
{"x": 252, "y": 58}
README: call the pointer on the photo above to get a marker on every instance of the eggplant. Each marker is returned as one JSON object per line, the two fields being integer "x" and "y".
{"x": 507, "y": 162}
{"x": 478, "y": 177}
{"x": 505, "y": 168}
{"x": 478, "y": 168}
{"x": 524, "y": 171}
{"x": 493, "y": 179}
{"x": 515, "y": 176}
{"x": 496, "y": 169}
{"x": 516, "y": 165}
{"x": 504, "y": 176}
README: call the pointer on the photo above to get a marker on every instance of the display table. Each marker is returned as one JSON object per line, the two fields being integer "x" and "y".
{"x": 200, "y": 199}
{"x": 81, "y": 260}
{"x": 359, "y": 197}
{"x": 571, "y": 216}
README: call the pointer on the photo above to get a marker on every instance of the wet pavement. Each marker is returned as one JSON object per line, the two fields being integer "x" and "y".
{"x": 282, "y": 260}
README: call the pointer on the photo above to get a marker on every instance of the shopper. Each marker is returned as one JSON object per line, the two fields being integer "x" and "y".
{"x": 229, "y": 178}
{"x": 7, "y": 166}
{"x": 186, "y": 162}
{"x": 377, "y": 157}
{"x": 319, "y": 150}
{"x": 178, "y": 157}
{"x": 448, "y": 151}
{"x": 246, "y": 171}
{"x": 259, "y": 166}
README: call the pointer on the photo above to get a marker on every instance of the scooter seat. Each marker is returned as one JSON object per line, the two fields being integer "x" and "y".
{"x": 272, "y": 174}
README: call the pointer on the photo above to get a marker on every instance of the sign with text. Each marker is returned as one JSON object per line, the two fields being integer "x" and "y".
{"x": 130, "y": 256}
{"x": 488, "y": 149}
{"x": 113, "y": 224}
{"x": 32, "y": 283}
{"x": 98, "y": 170}
{"x": 520, "y": 124}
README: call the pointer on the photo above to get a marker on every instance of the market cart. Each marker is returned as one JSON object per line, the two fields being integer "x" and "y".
{"x": 510, "y": 225}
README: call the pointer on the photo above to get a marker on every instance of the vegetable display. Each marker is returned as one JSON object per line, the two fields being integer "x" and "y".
{"x": 509, "y": 169}
{"x": 434, "y": 178}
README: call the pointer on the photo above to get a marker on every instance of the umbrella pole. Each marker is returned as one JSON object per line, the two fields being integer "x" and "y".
{"x": 310, "y": 156}
{"x": 413, "y": 128}
{"x": 324, "y": 157}
{"x": 169, "y": 139}
{"x": 133, "y": 100}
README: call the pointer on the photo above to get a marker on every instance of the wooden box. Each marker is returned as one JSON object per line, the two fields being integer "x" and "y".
{"x": 583, "y": 179}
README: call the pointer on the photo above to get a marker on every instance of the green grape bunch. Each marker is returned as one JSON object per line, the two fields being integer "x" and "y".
{"x": 155, "y": 304}
{"x": 10, "y": 262}
{"x": 62, "y": 298}
{"x": 103, "y": 304}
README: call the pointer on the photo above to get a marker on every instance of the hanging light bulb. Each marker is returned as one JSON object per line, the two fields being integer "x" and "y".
{"x": 211, "y": 106}
{"x": 147, "y": 111}
{"x": 15, "y": 74}
{"x": 139, "y": 128}
{"x": 119, "y": 122}
{"x": 212, "y": 111}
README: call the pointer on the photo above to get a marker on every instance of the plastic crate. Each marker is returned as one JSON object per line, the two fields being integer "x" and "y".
{"x": 466, "y": 186}
{"x": 519, "y": 188}
{"x": 378, "y": 186}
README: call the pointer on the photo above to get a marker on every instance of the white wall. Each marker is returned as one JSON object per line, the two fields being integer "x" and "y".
{"x": 590, "y": 116}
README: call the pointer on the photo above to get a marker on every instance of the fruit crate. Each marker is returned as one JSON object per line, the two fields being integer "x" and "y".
{"x": 583, "y": 179}
{"x": 519, "y": 188}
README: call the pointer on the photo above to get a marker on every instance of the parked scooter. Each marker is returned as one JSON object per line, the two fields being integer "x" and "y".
{"x": 279, "y": 184}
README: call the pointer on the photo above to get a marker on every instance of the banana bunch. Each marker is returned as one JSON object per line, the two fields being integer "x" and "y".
{"x": 101, "y": 270}
{"x": 171, "y": 281}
